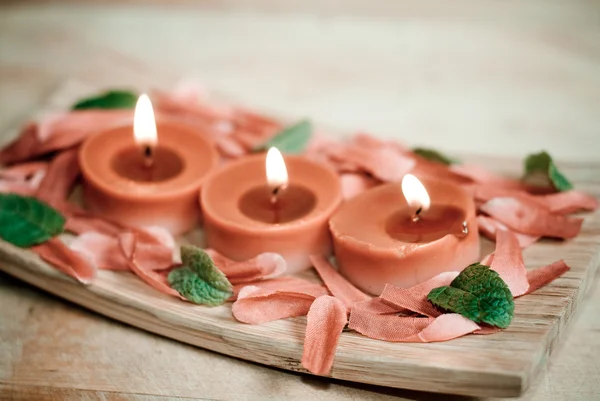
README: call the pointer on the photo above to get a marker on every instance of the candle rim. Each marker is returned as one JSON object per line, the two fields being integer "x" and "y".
{"x": 397, "y": 244}
{"x": 168, "y": 187}
{"x": 256, "y": 225}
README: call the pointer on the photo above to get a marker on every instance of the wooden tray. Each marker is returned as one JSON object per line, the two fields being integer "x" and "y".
{"x": 503, "y": 364}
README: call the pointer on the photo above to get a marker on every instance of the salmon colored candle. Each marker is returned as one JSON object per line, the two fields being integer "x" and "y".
{"x": 251, "y": 207}
{"x": 405, "y": 235}
{"x": 149, "y": 175}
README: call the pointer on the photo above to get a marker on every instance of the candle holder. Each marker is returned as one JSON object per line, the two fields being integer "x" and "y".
{"x": 377, "y": 239}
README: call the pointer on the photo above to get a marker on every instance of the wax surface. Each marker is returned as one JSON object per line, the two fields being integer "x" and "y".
{"x": 130, "y": 163}
{"x": 430, "y": 225}
{"x": 292, "y": 203}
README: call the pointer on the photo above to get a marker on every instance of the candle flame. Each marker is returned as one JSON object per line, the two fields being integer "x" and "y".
{"x": 415, "y": 193}
{"x": 277, "y": 176}
{"x": 144, "y": 124}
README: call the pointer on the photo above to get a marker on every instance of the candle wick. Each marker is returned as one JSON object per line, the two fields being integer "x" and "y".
{"x": 416, "y": 216}
{"x": 275, "y": 194}
{"x": 276, "y": 191}
{"x": 148, "y": 156}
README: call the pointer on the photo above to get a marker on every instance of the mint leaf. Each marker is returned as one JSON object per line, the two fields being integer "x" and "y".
{"x": 478, "y": 293}
{"x": 293, "y": 139}
{"x": 25, "y": 221}
{"x": 113, "y": 99}
{"x": 198, "y": 279}
{"x": 434, "y": 156}
{"x": 540, "y": 170}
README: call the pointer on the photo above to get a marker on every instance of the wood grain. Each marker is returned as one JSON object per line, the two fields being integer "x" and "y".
{"x": 503, "y": 364}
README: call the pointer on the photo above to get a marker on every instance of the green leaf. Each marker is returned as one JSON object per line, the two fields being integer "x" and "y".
{"x": 293, "y": 139}
{"x": 540, "y": 170}
{"x": 25, "y": 221}
{"x": 434, "y": 156}
{"x": 113, "y": 99}
{"x": 198, "y": 279}
{"x": 456, "y": 300}
{"x": 478, "y": 293}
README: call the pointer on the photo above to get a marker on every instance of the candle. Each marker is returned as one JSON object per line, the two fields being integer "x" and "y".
{"x": 149, "y": 174}
{"x": 405, "y": 234}
{"x": 250, "y": 206}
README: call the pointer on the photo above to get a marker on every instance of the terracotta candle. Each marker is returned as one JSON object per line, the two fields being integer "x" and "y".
{"x": 404, "y": 235}
{"x": 251, "y": 207}
{"x": 149, "y": 174}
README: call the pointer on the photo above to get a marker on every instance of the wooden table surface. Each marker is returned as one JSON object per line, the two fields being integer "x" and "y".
{"x": 501, "y": 78}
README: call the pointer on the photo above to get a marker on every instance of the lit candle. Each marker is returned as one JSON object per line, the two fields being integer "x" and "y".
{"x": 420, "y": 222}
{"x": 250, "y": 206}
{"x": 149, "y": 175}
{"x": 405, "y": 234}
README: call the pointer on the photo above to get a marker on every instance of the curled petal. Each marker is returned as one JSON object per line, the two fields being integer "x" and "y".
{"x": 531, "y": 220}
{"x": 489, "y": 227}
{"x": 324, "y": 324}
{"x": 414, "y": 298}
{"x": 264, "y": 266}
{"x": 55, "y": 252}
{"x": 336, "y": 283}
{"x": 540, "y": 277}
{"x": 256, "y": 306}
{"x": 508, "y": 263}
{"x": 60, "y": 179}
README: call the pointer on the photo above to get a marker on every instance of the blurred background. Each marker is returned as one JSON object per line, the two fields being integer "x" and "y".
{"x": 465, "y": 76}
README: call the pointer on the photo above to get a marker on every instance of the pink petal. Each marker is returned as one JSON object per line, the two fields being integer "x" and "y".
{"x": 531, "y": 220}
{"x": 508, "y": 263}
{"x": 80, "y": 222}
{"x": 129, "y": 247}
{"x": 61, "y": 131}
{"x": 386, "y": 327}
{"x": 16, "y": 187}
{"x": 101, "y": 250}
{"x": 23, "y": 171}
{"x": 427, "y": 168}
{"x": 65, "y": 130}
{"x": 415, "y": 298}
{"x": 324, "y": 324}
{"x": 262, "y": 267}
{"x": 60, "y": 179}
{"x": 284, "y": 284}
{"x": 377, "y": 306}
{"x": 338, "y": 285}
{"x": 540, "y": 277}
{"x": 23, "y": 147}
{"x": 569, "y": 202}
{"x": 256, "y": 306}
{"x": 489, "y": 227}
{"x": 488, "y": 259}
{"x": 480, "y": 175}
{"x": 165, "y": 238}
{"x": 229, "y": 147}
{"x": 385, "y": 164}
{"x": 55, "y": 252}
{"x": 445, "y": 327}
{"x": 486, "y": 192}
{"x": 410, "y": 329}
